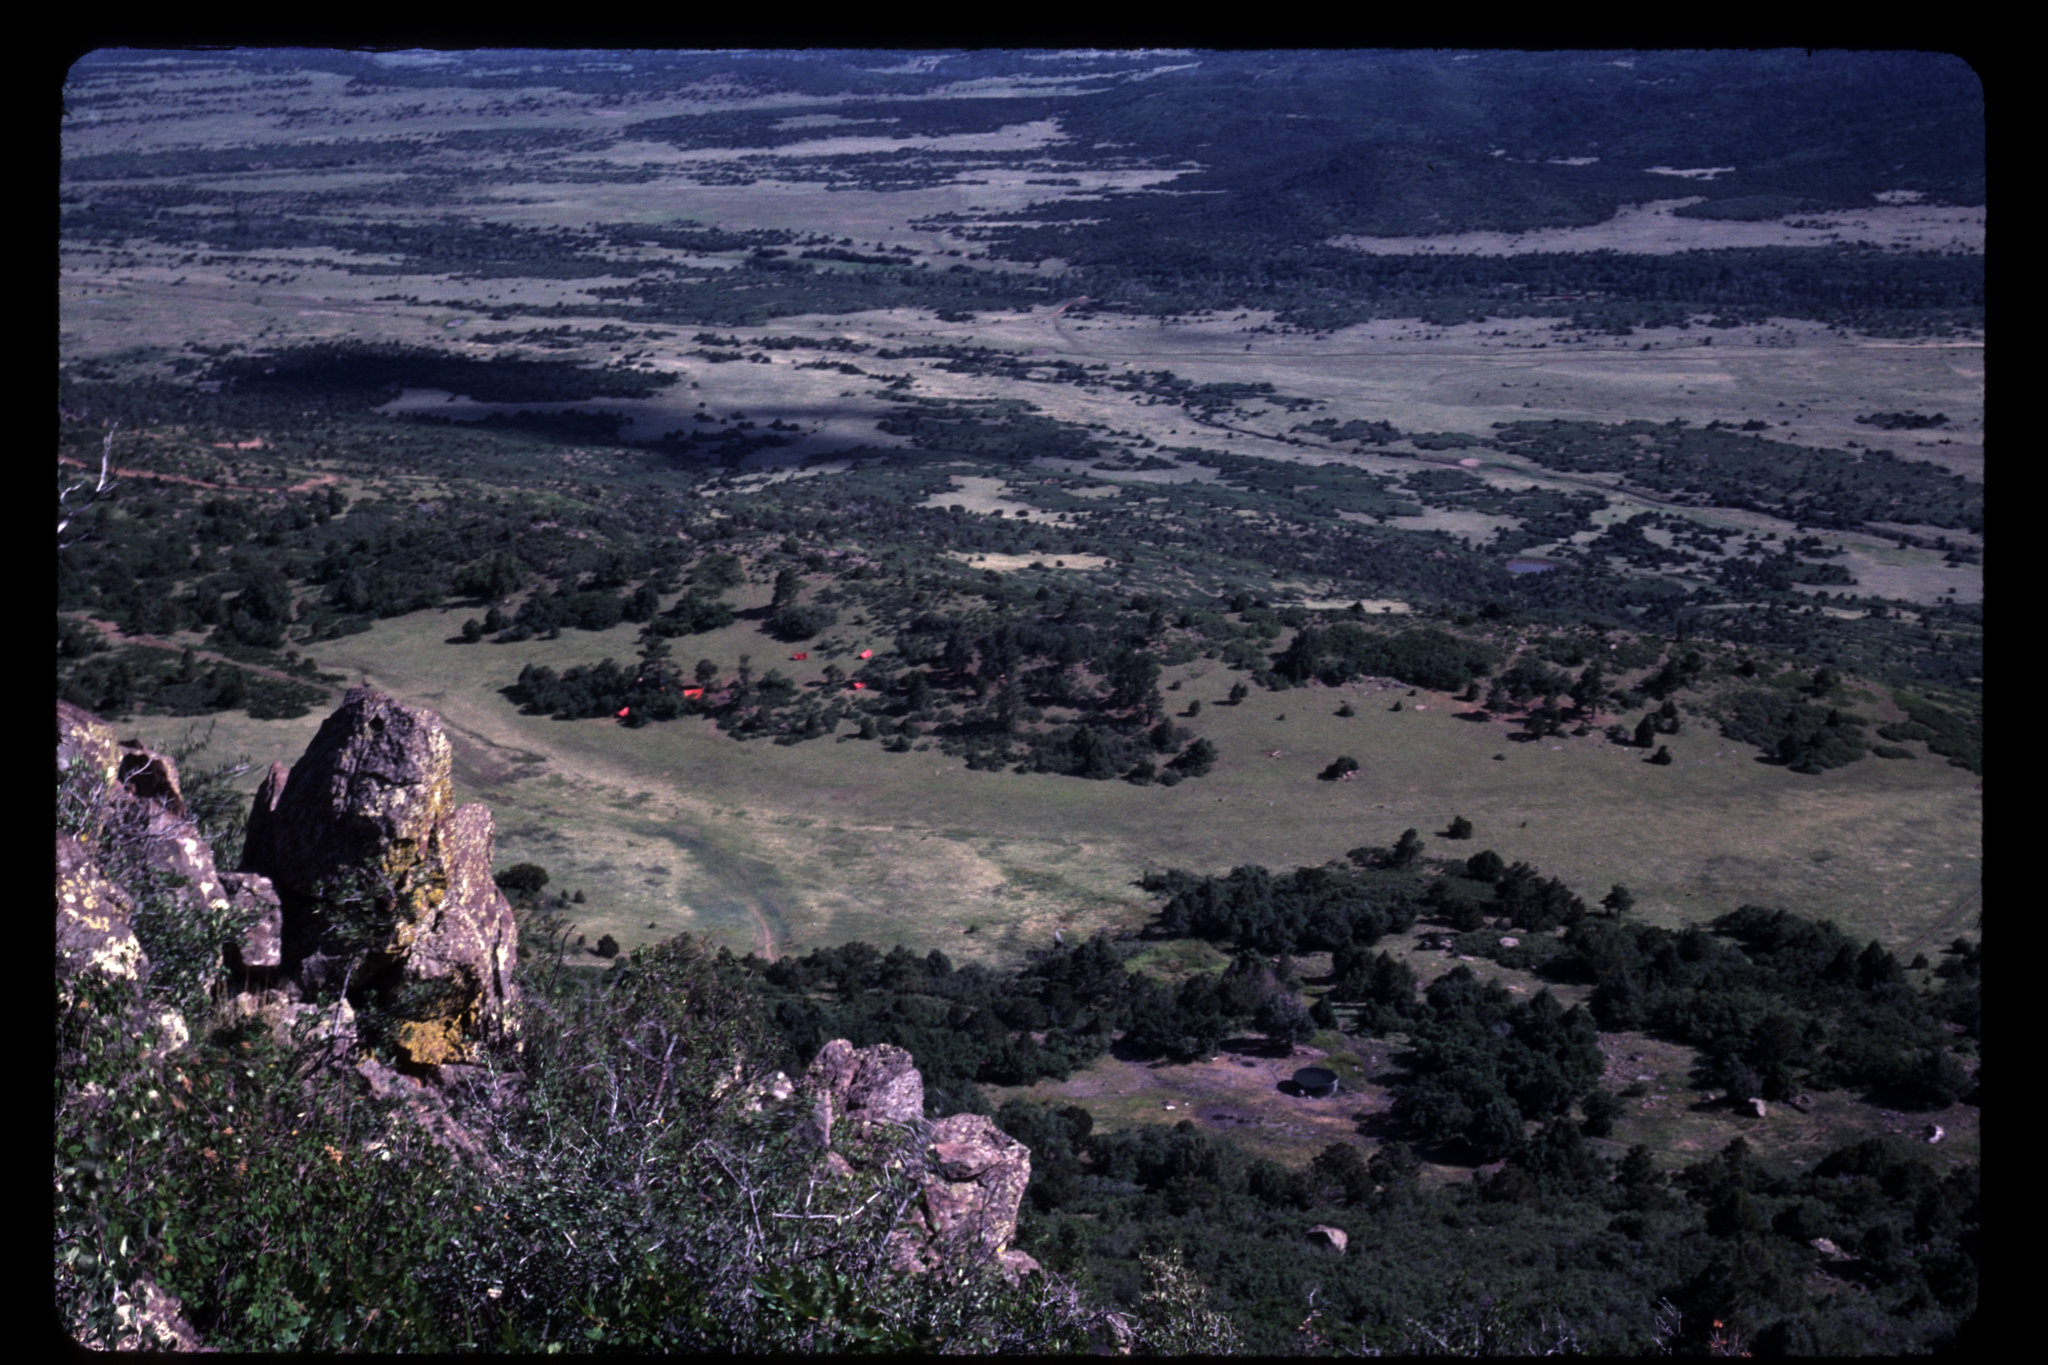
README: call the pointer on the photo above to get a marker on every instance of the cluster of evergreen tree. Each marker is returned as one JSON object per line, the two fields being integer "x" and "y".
{"x": 1425, "y": 657}
{"x": 1566, "y": 1246}
{"x": 117, "y": 682}
{"x": 1312, "y": 909}
{"x": 1732, "y": 468}
{"x": 1480, "y": 1063}
{"x": 1776, "y": 1003}
{"x": 264, "y": 571}
{"x": 1807, "y": 738}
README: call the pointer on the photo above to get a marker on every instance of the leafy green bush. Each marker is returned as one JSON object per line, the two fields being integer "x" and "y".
{"x": 522, "y": 878}
{"x": 252, "y": 1182}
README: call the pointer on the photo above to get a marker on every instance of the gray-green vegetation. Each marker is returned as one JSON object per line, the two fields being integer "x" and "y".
{"x": 994, "y": 448}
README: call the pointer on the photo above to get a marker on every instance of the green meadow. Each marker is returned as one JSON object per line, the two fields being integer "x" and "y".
{"x": 679, "y": 827}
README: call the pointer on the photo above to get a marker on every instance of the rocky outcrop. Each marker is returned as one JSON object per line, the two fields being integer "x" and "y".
{"x": 357, "y": 867}
{"x": 126, "y": 830}
{"x": 1324, "y": 1235}
{"x": 973, "y": 1187}
{"x": 861, "y": 1086}
{"x": 129, "y": 798}
{"x": 145, "y": 1319}
{"x": 94, "y": 930}
{"x": 974, "y": 1173}
{"x": 88, "y": 755}
{"x": 382, "y": 882}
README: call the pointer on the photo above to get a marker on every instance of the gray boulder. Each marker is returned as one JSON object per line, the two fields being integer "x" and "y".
{"x": 384, "y": 883}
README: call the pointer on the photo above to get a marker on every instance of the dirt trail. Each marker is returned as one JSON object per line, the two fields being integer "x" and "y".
{"x": 305, "y": 485}
{"x": 761, "y": 927}
{"x": 475, "y": 723}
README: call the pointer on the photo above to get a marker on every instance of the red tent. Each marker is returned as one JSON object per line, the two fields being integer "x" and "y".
{"x": 624, "y": 711}
{"x": 799, "y": 656}
{"x": 867, "y": 654}
{"x": 859, "y": 686}
{"x": 692, "y": 693}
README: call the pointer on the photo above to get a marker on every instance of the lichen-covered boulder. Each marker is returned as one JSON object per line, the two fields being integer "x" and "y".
{"x": 358, "y": 808}
{"x": 97, "y": 948}
{"x": 468, "y": 943}
{"x": 867, "y": 1085}
{"x": 865, "y": 1102}
{"x": 129, "y": 798}
{"x": 94, "y": 930}
{"x": 146, "y": 1318}
{"x": 973, "y": 1188}
{"x": 88, "y": 755}
{"x": 1322, "y": 1234}
{"x": 383, "y": 883}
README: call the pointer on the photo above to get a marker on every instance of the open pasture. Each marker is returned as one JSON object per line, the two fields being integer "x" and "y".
{"x": 678, "y": 827}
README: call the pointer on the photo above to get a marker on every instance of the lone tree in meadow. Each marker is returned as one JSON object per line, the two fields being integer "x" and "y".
{"x": 1406, "y": 851}
{"x": 522, "y": 878}
{"x": 1618, "y": 901}
{"x": 1460, "y": 828}
{"x": 1588, "y": 690}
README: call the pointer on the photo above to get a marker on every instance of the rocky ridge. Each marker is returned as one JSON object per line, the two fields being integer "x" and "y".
{"x": 365, "y": 892}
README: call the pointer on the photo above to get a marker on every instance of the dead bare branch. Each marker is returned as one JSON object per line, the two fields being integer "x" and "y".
{"x": 68, "y": 511}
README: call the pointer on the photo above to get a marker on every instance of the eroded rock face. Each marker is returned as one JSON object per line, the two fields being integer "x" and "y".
{"x": 975, "y": 1174}
{"x": 973, "y": 1189}
{"x": 131, "y": 796}
{"x": 87, "y": 749}
{"x": 365, "y": 824}
{"x": 94, "y": 930}
{"x": 878, "y": 1084}
{"x": 125, "y": 804}
{"x": 260, "y": 950}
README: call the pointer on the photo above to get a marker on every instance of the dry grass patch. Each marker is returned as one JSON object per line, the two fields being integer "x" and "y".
{"x": 890, "y": 848}
{"x": 1655, "y": 229}
{"x": 1237, "y": 1092}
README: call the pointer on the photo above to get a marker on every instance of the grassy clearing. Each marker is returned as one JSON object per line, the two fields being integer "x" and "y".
{"x": 834, "y": 840}
{"x": 1240, "y": 1092}
{"x": 1681, "y": 1126}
